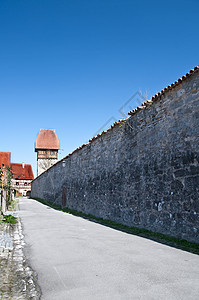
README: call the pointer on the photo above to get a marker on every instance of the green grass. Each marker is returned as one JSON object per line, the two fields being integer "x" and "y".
{"x": 13, "y": 204}
{"x": 56, "y": 206}
{"x": 8, "y": 219}
{"x": 158, "y": 237}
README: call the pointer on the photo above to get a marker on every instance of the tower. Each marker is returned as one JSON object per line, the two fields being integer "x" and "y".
{"x": 46, "y": 145}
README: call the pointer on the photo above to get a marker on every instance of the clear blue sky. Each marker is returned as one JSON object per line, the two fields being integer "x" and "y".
{"x": 70, "y": 65}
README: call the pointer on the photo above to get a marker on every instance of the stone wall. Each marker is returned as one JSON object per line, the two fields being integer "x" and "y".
{"x": 44, "y": 163}
{"x": 144, "y": 172}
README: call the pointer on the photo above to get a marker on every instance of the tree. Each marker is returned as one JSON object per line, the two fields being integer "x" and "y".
{"x": 8, "y": 186}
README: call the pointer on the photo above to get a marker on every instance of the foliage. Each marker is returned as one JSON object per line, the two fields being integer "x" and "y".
{"x": 5, "y": 182}
{"x": 1, "y": 174}
{"x": 13, "y": 204}
{"x": 8, "y": 219}
{"x": 9, "y": 175}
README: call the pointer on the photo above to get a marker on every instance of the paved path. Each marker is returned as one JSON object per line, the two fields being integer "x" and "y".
{"x": 78, "y": 259}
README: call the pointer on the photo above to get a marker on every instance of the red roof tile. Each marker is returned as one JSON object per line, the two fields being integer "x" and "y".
{"x": 22, "y": 173}
{"x": 5, "y": 159}
{"x": 47, "y": 139}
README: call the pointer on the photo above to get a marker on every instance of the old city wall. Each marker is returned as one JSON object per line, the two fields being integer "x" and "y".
{"x": 143, "y": 172}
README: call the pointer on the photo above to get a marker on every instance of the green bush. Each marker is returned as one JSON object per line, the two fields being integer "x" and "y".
{"x": 9, "y": 219}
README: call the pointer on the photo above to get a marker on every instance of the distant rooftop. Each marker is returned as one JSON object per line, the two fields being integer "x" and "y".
{"x": 22, "y": 171}
{"x": 5, "y": 159}
{"x": 47, "y": 139}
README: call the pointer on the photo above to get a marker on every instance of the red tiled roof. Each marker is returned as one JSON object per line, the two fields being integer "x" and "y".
{"x": 22, "y": 173}
{"x": 47, "y": 139}
{"x": 5, "y": 159}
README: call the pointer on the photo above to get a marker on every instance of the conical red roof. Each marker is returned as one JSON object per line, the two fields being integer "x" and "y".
{"x": 47, "y": 139}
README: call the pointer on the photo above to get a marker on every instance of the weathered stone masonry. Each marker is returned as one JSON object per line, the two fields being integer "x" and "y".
{"x": 143, "y": 172}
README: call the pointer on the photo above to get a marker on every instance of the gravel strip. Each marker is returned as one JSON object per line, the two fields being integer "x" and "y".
{"x": 17, "y": 280}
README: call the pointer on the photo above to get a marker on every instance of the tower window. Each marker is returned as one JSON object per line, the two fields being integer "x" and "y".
{"x": 52, "y": 152}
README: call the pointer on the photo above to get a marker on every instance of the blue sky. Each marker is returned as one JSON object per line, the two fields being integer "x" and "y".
{"x": 71, "y": 65}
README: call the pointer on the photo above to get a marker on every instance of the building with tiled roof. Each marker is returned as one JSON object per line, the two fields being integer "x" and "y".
{"x": 5, "y": 159}
{"x": 47, "y": 145}
{"x": 22, "y": 174}
{"x": 21, "y": 171}
{"x": 22, "y": 178}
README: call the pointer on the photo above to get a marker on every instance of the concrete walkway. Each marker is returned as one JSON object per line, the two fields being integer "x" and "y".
{"x": 78, "y": 259}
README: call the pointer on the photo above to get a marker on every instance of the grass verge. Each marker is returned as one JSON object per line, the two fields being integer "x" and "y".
{"x": 155, "y": 236}
{"x": 8, "y": 219}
